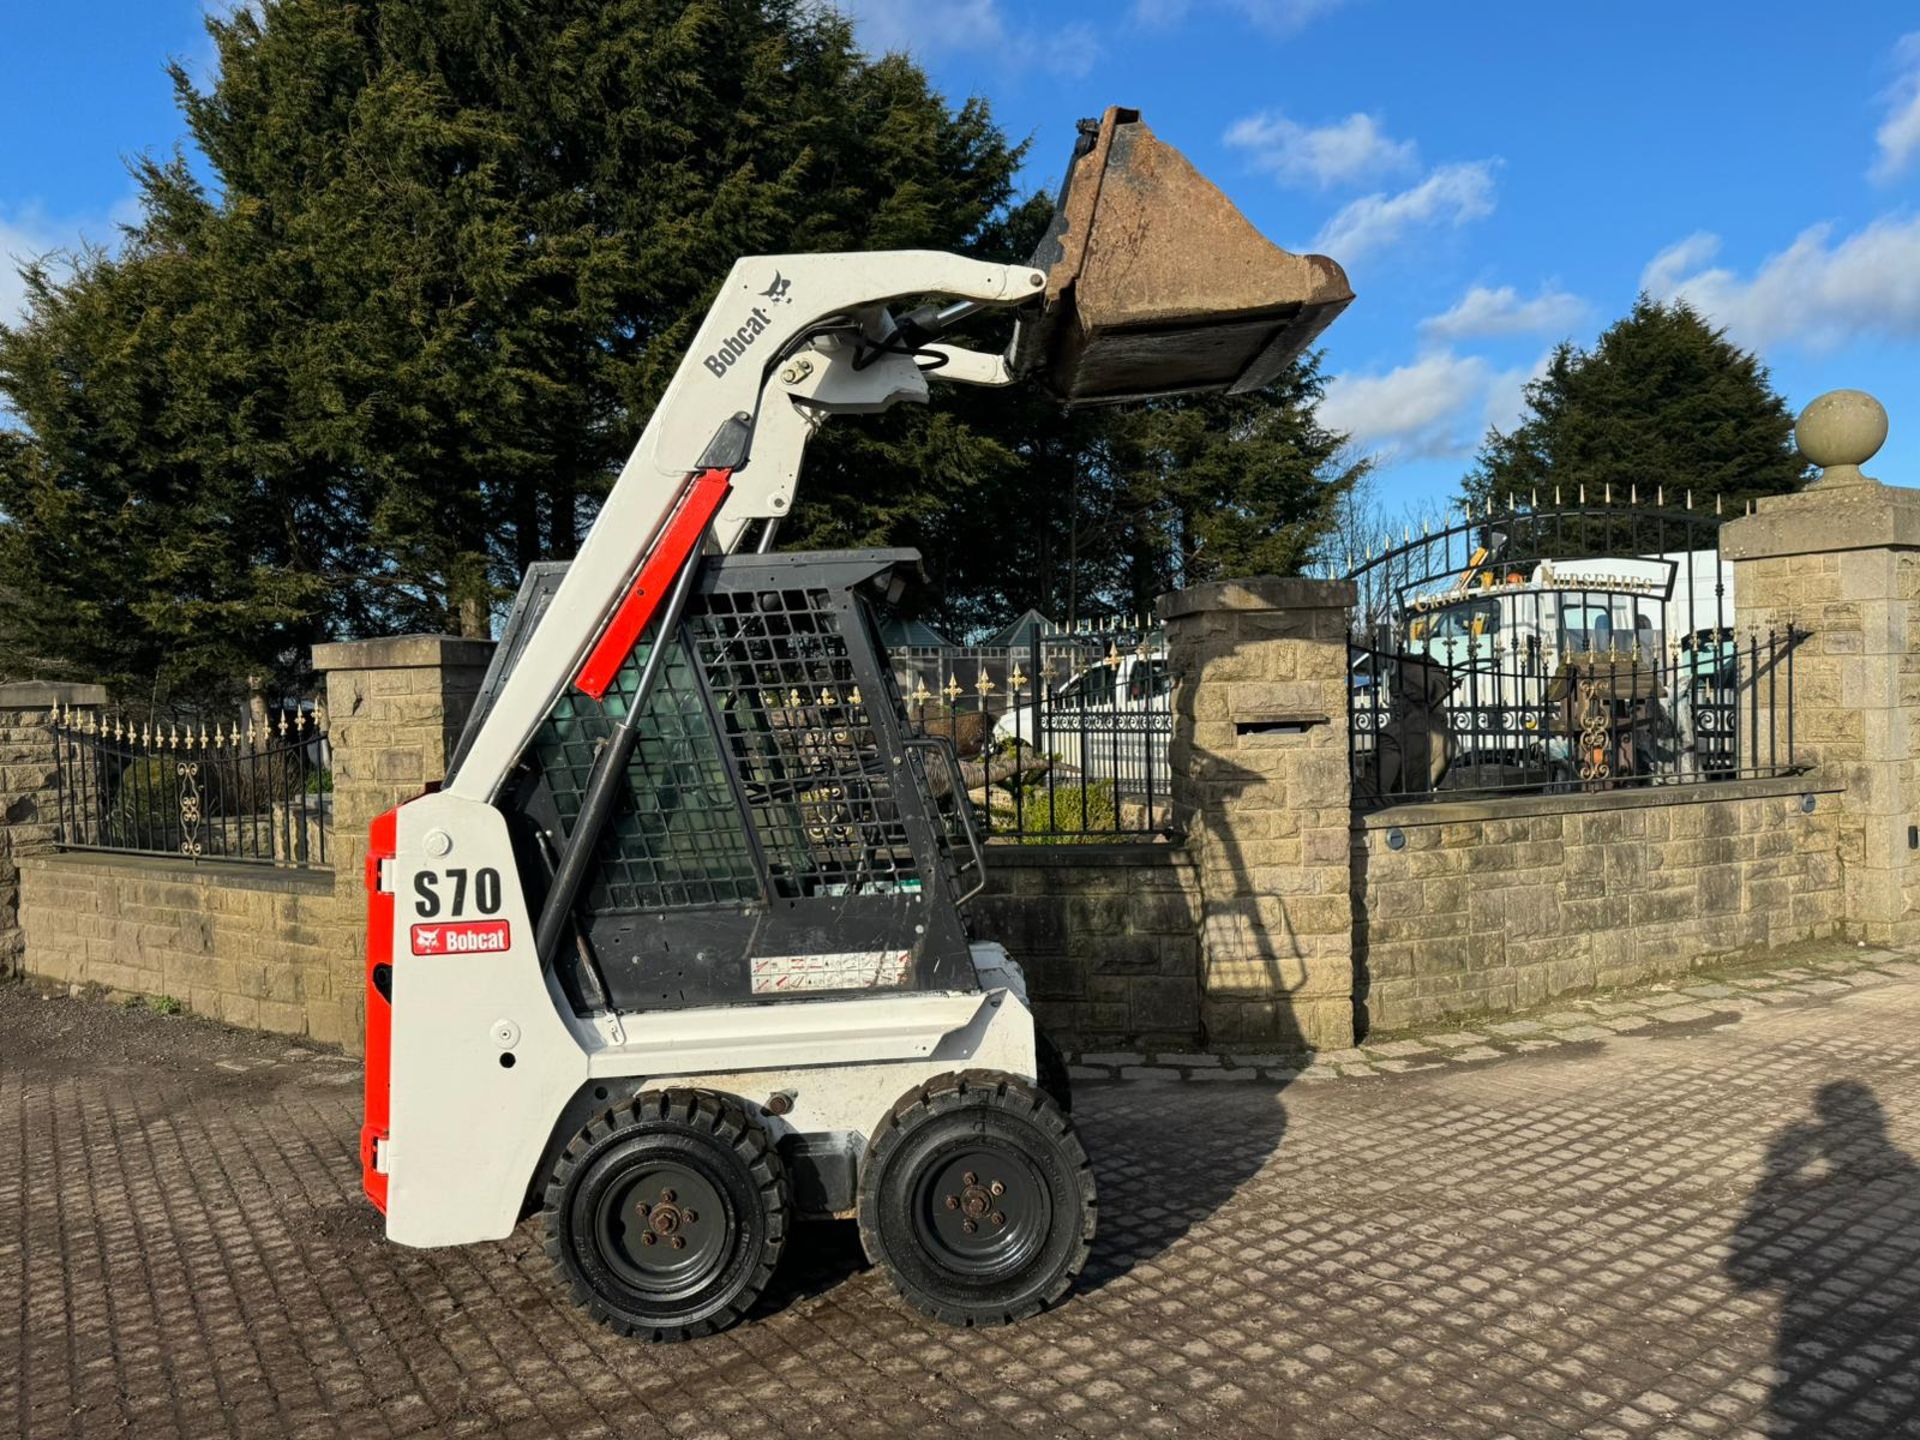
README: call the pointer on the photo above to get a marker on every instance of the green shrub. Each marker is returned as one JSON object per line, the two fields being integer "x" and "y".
{"x": 1058, "y": 817}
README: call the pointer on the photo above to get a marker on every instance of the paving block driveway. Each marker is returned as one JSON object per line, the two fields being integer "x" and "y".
{"x": 1711, "y": 1230}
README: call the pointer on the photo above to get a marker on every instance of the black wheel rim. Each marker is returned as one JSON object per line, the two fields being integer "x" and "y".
{"x": 665, "y": 1228}
{"x": 981, "y": 1209}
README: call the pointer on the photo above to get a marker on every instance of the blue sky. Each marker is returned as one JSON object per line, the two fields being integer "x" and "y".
{"x": 1495, "y": 176}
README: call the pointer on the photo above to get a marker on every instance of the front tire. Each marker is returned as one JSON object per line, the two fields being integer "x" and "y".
{"x": 978, "y": 1199}
{"x": 665, "y": 1216}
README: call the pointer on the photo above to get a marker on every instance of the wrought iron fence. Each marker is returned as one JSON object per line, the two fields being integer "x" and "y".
{"x": 258, "y": 793}
{"x": 1586, "y": 643}
{"x": 1064, "y": 739}
{"x": 1718, "y": 709}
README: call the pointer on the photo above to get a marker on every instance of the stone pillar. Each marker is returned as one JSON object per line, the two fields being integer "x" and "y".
{"x": 1262, "y": 788}
{"x": 29, "y": 789}
{"x": 1841, "y": 559}
{"x": 395, "y": 708}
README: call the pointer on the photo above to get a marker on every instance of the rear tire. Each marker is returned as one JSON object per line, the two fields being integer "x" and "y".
{"x": 665, "y": 1216}
{"x": 977, "y": 1197}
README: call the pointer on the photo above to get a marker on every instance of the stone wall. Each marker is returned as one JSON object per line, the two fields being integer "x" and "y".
{"x": 1844, "y": 564}
{"x": 1107, "y": 936}
{"x": 29, "y": 791}
{"x": 1503, "y": 904}
{"x": 246, "y": 944}
{"x": 278, "y": 948}
{"x": 1261, "y": 788}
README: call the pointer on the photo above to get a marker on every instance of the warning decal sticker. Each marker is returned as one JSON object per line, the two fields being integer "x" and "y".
{"x": 843, "y": 970}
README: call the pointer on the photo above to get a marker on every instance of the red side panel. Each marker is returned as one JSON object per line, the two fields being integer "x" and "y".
{"x": 699, "y": 503}
{"x": 381, "y": 846}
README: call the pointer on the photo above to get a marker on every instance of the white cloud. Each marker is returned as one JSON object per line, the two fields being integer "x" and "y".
{"x": 1277, "y": 17}
{"x": 1451, "y": 195}
{"x": 1482, "y": 311}
{"x": 1819, "y": 290}
{"x": 1666, "y": 270}
{"x": 1429, "y": 409}
{"x": 1899, "y": 134}
{"x": 1506, "y": 401}
{"x": 1351, "y": 149}
{"x": 29, "y": 233}
{"x": 964, "y": 27}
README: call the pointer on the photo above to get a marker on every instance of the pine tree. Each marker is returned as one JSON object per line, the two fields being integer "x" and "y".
{"x": 1663, "y": 402}
{"x": 445, "y": 256}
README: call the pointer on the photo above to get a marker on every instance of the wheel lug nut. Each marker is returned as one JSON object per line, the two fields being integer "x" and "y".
{"x": 997, "y": 1188}
{"x": 666, "y": 1197}
{"x": 647, "y": 1239}
{"x": 998, "y": 1218}
{"x": 969, "y": 1178}
{"x": 953, "y": 1202}
{"x": 689, "y": 1216}
{"x": 679, "y": 1242}
{"x": 968, "y": 1226}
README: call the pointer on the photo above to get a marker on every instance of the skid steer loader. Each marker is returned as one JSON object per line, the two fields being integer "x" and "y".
{"x": 677, "y": 952}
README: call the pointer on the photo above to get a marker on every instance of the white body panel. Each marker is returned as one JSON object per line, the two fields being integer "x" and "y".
{"x": 467, "y": 1134}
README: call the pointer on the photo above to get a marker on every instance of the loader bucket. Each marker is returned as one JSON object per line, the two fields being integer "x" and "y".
{"x": 1158, "y": 285}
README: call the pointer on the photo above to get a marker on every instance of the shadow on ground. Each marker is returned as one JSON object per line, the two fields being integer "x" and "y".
{"x": 1834, "y": 1226}
{"x": 1150, "y": 1195}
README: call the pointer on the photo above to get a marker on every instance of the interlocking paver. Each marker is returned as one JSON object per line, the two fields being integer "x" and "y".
{"x": 1712, "y": 1233}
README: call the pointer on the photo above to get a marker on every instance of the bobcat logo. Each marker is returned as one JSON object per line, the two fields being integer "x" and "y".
{"x": 777, "y": 291}
{"x": 425, "y": 939}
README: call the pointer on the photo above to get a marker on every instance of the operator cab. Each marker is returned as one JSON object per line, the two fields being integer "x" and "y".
{"x": 761, "y": 814}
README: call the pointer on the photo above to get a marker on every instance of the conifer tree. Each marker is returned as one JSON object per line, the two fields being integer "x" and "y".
{"x": 392, "y": 333}
{"x": 1664, "y": 401}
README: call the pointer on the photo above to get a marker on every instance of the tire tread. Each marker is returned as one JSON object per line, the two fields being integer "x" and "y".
{"x": 724, "y": 1120}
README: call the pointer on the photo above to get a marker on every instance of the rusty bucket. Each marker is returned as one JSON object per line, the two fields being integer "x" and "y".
{"x": 1158, "y": 285}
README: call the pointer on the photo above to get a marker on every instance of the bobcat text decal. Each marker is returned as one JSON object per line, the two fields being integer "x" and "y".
{"x": 471, "y": 937}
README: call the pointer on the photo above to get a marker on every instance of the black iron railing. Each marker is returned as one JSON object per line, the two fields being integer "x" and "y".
{"x": 1064, "y": 739}
{"x": 259, "y": 793}
{"x": 1426, "y": 725}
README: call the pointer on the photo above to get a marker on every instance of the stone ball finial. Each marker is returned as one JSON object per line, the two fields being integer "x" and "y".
{"x": 1840, "y": 431}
